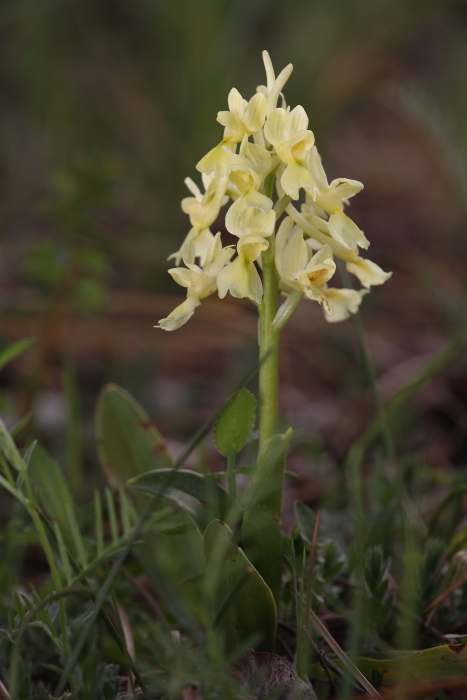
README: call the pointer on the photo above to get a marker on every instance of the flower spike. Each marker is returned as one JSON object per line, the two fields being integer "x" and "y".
{"x": 267, "y": 154}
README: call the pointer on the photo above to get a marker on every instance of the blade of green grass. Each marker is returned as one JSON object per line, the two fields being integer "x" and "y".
{"x": 15, "y": 349}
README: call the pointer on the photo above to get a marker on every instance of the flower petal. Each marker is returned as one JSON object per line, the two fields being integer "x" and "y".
{"x": 274, "y": 129}
{"x": 317, "y": 170}
{"x": 342, "y": 303}
{"x": 180, "y": 315}
{"x": 251, "y": 214}
{"x": 255, "y": 113}
{"x": 250, "y": 247}
{"x": 368, "y": 272}
{"x": 295, "y": 256}
{"x": 346, "y": 232}
{"x": 236, "y": 103}
{"x": 297, "y": 120}
{"x": 216, "y": 160}
{"x": 241, "y": 279}
{"x": 294, "y": 177}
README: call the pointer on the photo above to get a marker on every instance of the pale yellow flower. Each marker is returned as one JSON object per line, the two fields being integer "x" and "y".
{"x": 273, "y": 87}
{"x": 241, "y": 278}
{"x": 203, "y": 209}
{"x": 243, "y": 117}
{"x": 288, "y": 133}
{"x": 248, "y": 168}
{"x": 299, "y": 268}
{"x": 251, "y": 215}
{"x": 200, "y": 282}
{"x": 368, "y": 272}
{"x": 331, "y": 198}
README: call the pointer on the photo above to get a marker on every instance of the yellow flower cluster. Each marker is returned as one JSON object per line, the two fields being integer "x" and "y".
{"x": 264, "y": 145}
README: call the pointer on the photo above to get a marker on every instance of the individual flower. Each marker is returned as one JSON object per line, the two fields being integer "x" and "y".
{"x": 241, "y": 278}
{"x": 367, "y": 271}
{"x": 248, "y": 168}
{"x": 199, "y": 281}
{"x": 203, "y": 209}
{"x": 288, "y": 133}
{"x": 273, "y": 87}
{"x": 243, "y": 117}
{"x": 331, "y": 198}
{"x": 251, "y": 214}
{"x": 299, "y": 268}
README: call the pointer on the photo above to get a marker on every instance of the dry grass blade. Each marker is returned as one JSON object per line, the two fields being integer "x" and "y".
{"x": 323, "y": 630}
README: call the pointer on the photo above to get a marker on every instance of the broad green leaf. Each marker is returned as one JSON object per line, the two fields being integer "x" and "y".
{"x": 185, "y": 485}
{"x": 243, "y": 604}
{"x": 50, "y": 484}
{"x": 129, "y": 444}
{"x": 15, "y": 349}
{"x": 261, "y": 528}
{"x": 235, "y": 423}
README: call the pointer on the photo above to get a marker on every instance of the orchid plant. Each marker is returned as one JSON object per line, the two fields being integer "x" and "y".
{"x": 266, "y": 159}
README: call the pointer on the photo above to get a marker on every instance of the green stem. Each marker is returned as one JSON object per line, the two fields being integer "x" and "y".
{"x": 268, "y": 350}
{"x": 269, "y": 339}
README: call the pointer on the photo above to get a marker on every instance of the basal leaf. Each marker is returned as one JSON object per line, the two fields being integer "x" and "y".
{"x": 243, "y": 604}
{"x": 211, "y": 498}
{"x": 235, "y": 423}
{"x": 129, "y": 444}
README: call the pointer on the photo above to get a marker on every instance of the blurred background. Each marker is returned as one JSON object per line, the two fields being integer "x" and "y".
{"x": 107, "y": 105}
